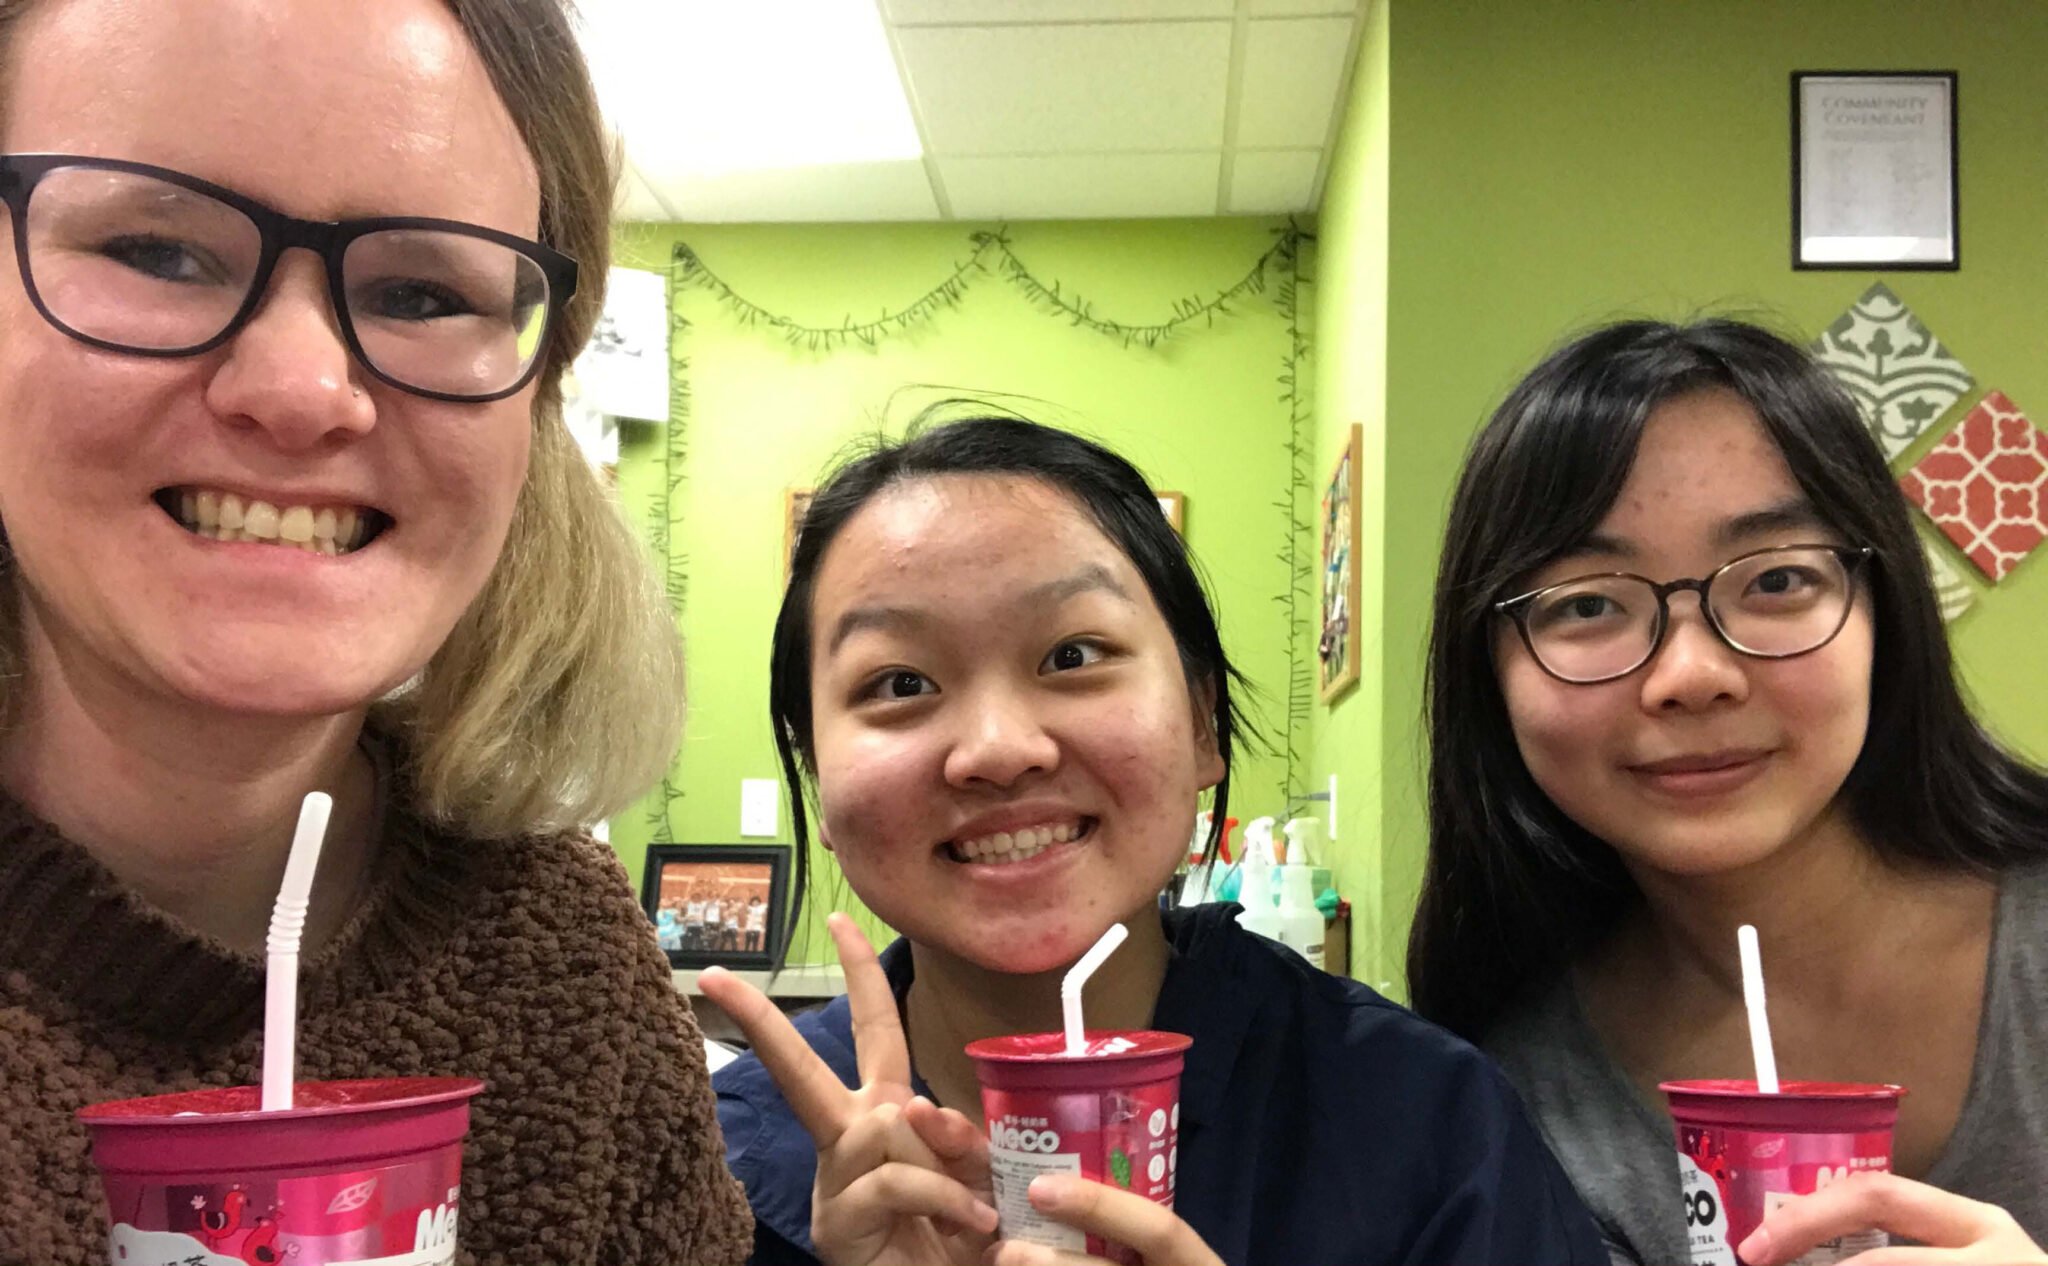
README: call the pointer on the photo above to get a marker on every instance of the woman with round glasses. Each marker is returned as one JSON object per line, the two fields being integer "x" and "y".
{"x": 287, "y": 503}
{"x": 1688, "y": 672}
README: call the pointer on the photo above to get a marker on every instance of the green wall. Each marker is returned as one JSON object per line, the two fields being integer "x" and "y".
{"x": 1351, "y": 384}
{"x": 1554, "y": 163}
{"x": 1505, "y": 174}
{"x": 1200, "y": 414}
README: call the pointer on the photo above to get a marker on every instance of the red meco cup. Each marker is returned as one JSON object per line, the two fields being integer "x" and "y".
{"x": 356, "y": 1171}
{"x": 1742, "y": 1153}
{"x": 1111, "y": 1113}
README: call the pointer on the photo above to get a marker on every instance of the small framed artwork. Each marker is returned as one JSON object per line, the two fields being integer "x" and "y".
{"x": 1337, "y": 645}
{"x": 717, "y": 905}
{"x": 796, "y": 502}
{"x": 1874, "y": 170}
{"x": 1174, "y": 506}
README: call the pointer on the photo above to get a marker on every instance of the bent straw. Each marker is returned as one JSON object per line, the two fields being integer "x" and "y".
{"x": 1753, "y": 1001}
{"x": 281, "y": 974}
{"x": 1077, "y": 976}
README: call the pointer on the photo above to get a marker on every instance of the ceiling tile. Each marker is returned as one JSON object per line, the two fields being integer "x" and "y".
{"x": 1293, "y": 68}
{"x": 949, "y": 12}
{"x": 1068, "y": 89}
{"x": 1272, "y": 182}
{"x": 848, "y": 191}
{"x": 634, "y": 200}
{"x": 1081, "y": 186}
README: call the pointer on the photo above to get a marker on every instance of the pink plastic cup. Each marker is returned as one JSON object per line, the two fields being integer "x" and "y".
{"x": 1742, "y": 1153}
{"x": 357, "y": 1171}
{"x": 1111, "y": 1114}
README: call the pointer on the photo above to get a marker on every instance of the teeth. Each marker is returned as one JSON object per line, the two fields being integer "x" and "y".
{"x": 1002, "y": 847}
{"x": 224, "y": 516}
{"x": 259, "y": 521}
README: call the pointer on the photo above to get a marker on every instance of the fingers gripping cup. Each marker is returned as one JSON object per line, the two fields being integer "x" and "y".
{"x": 354, "y": 1172}
{"x": 1110, "y": 1113}
{"x": 1742, "y": 1152}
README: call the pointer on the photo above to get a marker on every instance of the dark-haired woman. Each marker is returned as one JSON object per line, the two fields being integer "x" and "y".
{"x": 997, "y": 674}
{"x": 1688, "y": 673}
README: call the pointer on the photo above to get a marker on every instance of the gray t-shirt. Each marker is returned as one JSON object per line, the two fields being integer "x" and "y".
{"x": 1619, "y": 1150}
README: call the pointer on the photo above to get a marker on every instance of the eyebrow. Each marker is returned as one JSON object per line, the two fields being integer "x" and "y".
{"x": 1093, "y": 578}
{"x": 1787, "y": 515}
{"x": 883, "y": 618}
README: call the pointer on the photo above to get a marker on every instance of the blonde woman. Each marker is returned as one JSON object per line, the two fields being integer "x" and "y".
{"x": 288, "y": 505}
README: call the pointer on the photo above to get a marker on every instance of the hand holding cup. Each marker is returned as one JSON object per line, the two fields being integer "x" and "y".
{"x": 1949, "y": 1228}
{"x": 1154, "y": 1233}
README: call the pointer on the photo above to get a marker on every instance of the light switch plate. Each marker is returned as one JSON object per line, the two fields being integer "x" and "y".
{"x": 758, "y": 807}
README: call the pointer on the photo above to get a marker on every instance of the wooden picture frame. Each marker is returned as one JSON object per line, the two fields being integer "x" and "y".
{"x": 1337, "y": 627}
{"x": 755, "y": 877}
{"x": 795, "y": 502}
{"x": 1174, "y": 506}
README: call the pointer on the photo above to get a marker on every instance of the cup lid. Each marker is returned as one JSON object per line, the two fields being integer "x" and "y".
{"x": 309, "y": 1099}
{"x": 1735, "y": 1088}
{"x": 1102, "y": 1044}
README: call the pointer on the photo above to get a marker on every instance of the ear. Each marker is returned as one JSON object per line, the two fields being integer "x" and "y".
{"x": 1208, "y": 761}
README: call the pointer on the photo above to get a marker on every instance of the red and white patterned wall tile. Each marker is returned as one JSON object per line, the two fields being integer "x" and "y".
{"x": 1985, "y": 485}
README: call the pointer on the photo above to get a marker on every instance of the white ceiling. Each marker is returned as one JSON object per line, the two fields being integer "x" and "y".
{"x": 1023, "y": 109}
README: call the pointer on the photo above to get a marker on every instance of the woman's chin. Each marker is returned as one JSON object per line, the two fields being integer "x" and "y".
{"x": 283, "y": 691}
{"x": 1025, "y": 952}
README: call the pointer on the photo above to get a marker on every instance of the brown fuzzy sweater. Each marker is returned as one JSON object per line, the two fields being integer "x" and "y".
{"x": 525, "y": 963}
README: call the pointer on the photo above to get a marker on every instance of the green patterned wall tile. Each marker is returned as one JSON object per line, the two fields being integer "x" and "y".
{"x": 1901, "y": 375}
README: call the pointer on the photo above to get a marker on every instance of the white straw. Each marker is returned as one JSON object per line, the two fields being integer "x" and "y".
{"x": 1077, "y": 976}
{"x": 281, "y": 977}
{"x": 1753, "y": 1000}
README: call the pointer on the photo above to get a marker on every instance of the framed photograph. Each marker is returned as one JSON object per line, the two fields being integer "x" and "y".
{"x": 717, "y": 905}
{"x": 1175, "y": 507}
{"x": 1874, "y": 170}
{"x": 1337, "y": 646}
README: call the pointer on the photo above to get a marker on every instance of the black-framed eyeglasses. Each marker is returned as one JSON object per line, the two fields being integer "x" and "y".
{"x": 1770, "y": 604}
{"x": 153, "y": 262}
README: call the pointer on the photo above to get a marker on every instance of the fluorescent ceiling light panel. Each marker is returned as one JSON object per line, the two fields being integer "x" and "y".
{"x": 748, "y": 85}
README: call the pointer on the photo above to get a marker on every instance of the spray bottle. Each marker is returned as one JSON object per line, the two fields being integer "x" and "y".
{"x": 1195, "y": 876}
{"x": 1304, "y": 836}
{"x": 1260, "y": 914}
{"x": 1301, "y": 923}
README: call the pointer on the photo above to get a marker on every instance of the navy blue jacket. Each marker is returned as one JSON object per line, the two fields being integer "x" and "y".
{"x": 1321, "y": 1125}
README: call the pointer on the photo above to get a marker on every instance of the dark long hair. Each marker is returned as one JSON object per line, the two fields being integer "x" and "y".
{"x": 1113, "y": 493}
{"x": 1514, "y": 890}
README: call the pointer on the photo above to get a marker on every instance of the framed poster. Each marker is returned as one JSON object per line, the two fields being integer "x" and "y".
{"x": 1337, "y": 646}
{"x": 1874, "y": 170}
{"x": 717, "y": 905}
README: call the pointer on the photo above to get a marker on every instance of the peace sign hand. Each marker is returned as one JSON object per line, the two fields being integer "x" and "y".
{"x": 901, "y": 1181}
